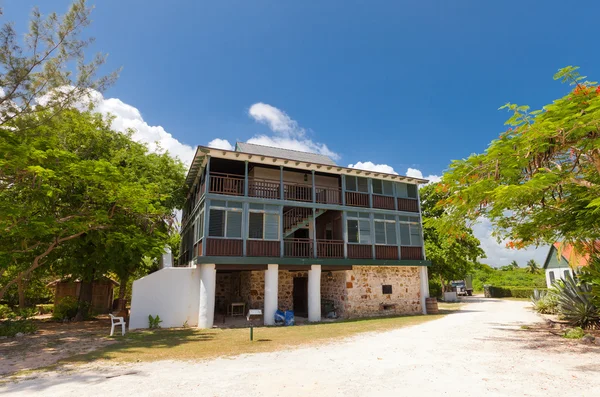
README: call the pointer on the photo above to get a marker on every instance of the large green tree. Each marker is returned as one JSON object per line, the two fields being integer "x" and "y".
{"x": 540, "y": 180}
{"x": 73, "y": 177}
{"x": 454, "y": 254}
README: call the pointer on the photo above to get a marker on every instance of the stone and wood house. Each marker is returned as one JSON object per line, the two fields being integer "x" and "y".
{"x": 268, "y": 228}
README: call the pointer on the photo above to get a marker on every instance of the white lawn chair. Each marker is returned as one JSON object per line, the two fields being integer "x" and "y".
{"x": 116, "y": 321}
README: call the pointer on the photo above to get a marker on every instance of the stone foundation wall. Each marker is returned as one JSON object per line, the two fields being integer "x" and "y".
{"x": 286, "y": 288}
{"x": 334, "y": 290}
{"x": 364, "y": 296}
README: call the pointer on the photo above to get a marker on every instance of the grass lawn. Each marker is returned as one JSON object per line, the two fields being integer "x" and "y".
{"x": 193, "y": 344}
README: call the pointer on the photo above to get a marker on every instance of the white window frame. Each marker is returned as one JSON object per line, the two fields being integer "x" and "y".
{"x": 358, "y": 218}
{"x": 385, "y": 230}
{"x": 411, "y": 225}
{"x": 265, "y": 212}
{"x": 227, "y": 209}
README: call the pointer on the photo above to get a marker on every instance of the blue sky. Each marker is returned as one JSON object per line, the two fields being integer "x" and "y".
{"x": 408, "y": 84}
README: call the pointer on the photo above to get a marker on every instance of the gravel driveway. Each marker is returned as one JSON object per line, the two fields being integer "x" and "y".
{"x": 479, "y": 351}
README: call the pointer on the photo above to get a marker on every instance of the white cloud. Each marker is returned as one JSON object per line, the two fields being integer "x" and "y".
{"x": 221, "y": 144}
{"x": 370, "y": 166}
{"x": 497, "y": 253}
{"x": 287, "y": 133}
{"x": 414, "y": 173}
{"x": 128, "y": 117}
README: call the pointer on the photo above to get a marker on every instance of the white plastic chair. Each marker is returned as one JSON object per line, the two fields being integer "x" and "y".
{"x": 116, "y": 321}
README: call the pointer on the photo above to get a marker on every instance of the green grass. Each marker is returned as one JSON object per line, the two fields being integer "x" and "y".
{"x": 193, "y": 344}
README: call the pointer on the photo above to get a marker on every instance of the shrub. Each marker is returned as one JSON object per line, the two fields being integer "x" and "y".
{"x": 66, "y": 308}
{"x": 574, "y": 333}
{"x": 545, "y": 302}
{"x": 504, "y": 292}
{"x": 435, "y": 289}
{"x": 5, "y": 311}
{"x": 575, "y": 303}
{"x": 154, "y": 322}
{"x": 45, "y": 309}
{"x": 11, "y": 328}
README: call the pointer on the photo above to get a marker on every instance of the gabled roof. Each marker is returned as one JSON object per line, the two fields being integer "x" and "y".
{"x": 569, "y": 255}
{"x": 283, "y": 153}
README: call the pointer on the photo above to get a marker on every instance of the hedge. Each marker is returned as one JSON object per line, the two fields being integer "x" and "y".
{"x": 514, "y": 292}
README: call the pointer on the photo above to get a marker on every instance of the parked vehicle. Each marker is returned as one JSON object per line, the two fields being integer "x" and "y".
{"x": 463, "y": 287}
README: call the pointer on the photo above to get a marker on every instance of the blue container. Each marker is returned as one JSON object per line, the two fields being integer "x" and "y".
{"x": 289, "y": 317}
{"x": 279, "y": 317}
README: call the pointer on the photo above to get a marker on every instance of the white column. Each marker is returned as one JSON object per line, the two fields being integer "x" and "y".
{"x": 424, "y": 287}
{"x": 208, "y": 281}
{"x": 271, "y": 293}
{"x": 314, "y": 293}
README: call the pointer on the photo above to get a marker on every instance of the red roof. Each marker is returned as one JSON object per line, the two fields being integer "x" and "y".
{"x": 568, "y": 250}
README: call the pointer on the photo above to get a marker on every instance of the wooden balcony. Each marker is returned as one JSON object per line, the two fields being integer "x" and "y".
{"x": 263, "y": 188}
{"x": 298, "y": 248}
{"x": 386, "y": 252}
{"x": 297, "y": 192}
{"x": 411, "y": 253}
{"x": 328, "y": 195}
{"x": 410, "y": 205}
{"x": 330, "y": 248}
{"x": 226, "y": 184}
{"x": 356, "y": 199}
{"x": 383, "y": 202}
{"x": 224, "y": 247}
{"x": 262, "y": 248}
{"x": 360, "y": 251}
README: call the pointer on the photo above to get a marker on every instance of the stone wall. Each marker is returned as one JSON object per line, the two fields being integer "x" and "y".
{"x": 253, "y": 289}
{"x": 286, "y": 288}
{"x": 364, "y": 296}
{"x": 334, "y": 289}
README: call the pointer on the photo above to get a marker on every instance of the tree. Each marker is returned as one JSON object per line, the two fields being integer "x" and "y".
{"x": 540, "y": 180}
{"x": 452, "y": 256}
{"x": 532, "y": 266}
{"x": 39, "y": 70}
{"x": 74, "y": 177}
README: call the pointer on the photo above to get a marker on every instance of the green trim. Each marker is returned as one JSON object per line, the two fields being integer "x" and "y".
{"x": 239, "y": 260}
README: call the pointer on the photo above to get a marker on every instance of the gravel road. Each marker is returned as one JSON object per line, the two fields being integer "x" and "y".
{"x": 479, "y": 351}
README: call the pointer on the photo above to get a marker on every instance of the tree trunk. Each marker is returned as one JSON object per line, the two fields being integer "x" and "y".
{"x": 21, "y": 289}
{"x": 85, "y": 300}
{"x": 123, "y": 286}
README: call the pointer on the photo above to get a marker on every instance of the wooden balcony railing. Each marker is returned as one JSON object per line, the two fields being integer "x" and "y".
{"x": 292, "y": 217}
{"x": 262, "y": 248}
{"x": 360, "y": 251}
{"x": 298, "y": 248}
{"x": 328, "y": 195}
{"x": 386, "y": 252}
{"x": 330, "y": 248}
{"x": 226, "y": 184}
{"x": 263, "y": 188}
{"x": 411, "y": 253}
{"x": 410, "y": 205}
{"x": 384, "y": 202}
{"x": 199, "y": 248}
{"x": 356, "y": 199}
{"x": 224, "y": 247}
{"x": 297, "y": 192}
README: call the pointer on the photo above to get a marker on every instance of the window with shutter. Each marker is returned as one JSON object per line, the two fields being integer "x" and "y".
{"x": 387, "y": 188}
{"x": 380, "y": 233}
{"x": 255, "y": 225}
{"x": 404, "y": 234}
{"x": 415, "y": 235}
{"x": 411, "y": 191}
{"x": 401, "y": 190}
{"x": 352, "y": 231}
{"x": 234, "y": 224}
{"x": 216, "y": 225}
{"x": 390, "y": 233}
{"x": 377, "y": 186}
{"x": 362, "y": 184}
{"x": 271, "y": 227}
{"x": 365, "y": 232}
{"x": 351, "y": 183}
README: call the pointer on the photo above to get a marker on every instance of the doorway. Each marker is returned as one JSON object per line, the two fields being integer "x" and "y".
{"x": 300, "y": 295}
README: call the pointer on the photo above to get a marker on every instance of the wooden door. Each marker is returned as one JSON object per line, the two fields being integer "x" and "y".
{"x": 300, "y": 295}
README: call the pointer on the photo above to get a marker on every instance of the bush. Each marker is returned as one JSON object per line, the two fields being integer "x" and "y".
{"x": 66, "y": 308}
{"x": 11, "y": 328}
{"x": 435, "y": 289}
{"x": 154, "y": 322}
{"x": 575, "y": 303}
{"x": 506, "y": 292}
{"x": 545, "y": 302}
{"x": 45, "y": 309}
{"x": 485, "y": 274}
{"x": 5, "y": 311}
{"x": 574, "y": 333}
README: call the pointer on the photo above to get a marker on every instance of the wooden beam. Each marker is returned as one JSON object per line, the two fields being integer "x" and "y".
{"x": 240, "y": 267}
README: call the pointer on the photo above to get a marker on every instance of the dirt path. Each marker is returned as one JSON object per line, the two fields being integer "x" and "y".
{"x": 479, "y": 351}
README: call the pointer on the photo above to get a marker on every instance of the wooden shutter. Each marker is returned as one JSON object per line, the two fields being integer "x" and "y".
{"x": 255, "y": 225}
{"x": 216, "y": 225}
{"x": 271, "y": 227}
{"x": 234, "y": 224}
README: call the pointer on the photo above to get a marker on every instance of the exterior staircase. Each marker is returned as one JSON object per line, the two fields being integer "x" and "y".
{"x": 297, "y": 218}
